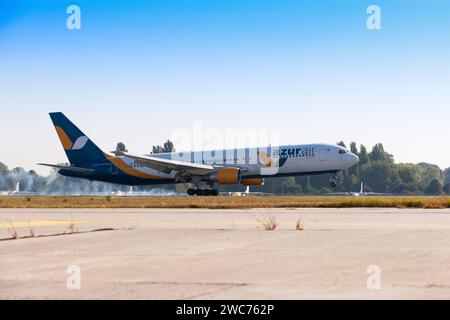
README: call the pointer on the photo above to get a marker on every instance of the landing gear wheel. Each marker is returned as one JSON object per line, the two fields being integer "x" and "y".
{"x": 202, "y": 192}
{"x": 333, "y": 179}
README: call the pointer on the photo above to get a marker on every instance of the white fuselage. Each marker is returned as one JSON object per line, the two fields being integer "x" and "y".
{"x": 266, "y": 161}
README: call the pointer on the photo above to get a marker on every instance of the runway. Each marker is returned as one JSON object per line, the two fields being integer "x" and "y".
{"x": 225, "y": 254}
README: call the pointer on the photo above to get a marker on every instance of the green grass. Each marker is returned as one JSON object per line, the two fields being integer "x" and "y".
{"x": 224, "y": 202}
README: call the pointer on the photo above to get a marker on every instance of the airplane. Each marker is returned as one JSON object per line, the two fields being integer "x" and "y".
{"x": 240, "y": 194}
{"x": 11, "y": 193}
{"x": 204, "y": 169}
{"x": 367, "y": 193}
{"x": 360, "y": 193}
{"x": 17, "y": 192}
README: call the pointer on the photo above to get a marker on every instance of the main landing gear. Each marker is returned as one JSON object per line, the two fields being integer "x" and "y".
{"x": 203, "y": 192}
{"x": 333, "y": 179}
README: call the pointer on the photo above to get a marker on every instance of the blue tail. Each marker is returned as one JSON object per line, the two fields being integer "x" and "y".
{"x": 80, "y": 150}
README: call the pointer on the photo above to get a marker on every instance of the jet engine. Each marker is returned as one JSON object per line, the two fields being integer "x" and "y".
{"x": 226, "y": 176}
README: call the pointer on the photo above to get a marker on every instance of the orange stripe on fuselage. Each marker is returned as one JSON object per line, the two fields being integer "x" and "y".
{"x": 122, "y": 165}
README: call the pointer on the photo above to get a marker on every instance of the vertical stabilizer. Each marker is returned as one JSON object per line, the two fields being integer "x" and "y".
{"x": 80, "y": 150}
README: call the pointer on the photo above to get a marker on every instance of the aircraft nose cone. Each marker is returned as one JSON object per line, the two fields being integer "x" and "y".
{"x": 354, "y": 159}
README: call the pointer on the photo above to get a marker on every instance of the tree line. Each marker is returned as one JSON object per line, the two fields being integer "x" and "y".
{"x": 377, "y": 169}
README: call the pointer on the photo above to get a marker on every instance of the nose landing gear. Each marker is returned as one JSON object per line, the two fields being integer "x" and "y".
{"x": 333, "y": 179}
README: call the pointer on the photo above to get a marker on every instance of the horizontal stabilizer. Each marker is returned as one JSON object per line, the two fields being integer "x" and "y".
{"x": 69, "y": 168}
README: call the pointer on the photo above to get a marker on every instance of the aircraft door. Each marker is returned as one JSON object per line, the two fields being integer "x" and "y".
{"x": 322, "y": 154}
{"x": 113, "y": 169}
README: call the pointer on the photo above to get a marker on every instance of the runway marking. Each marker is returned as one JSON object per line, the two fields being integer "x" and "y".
{"x": 39, "y": 223}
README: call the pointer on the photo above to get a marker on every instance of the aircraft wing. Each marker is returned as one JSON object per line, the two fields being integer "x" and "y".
{"x": 167, "y": 166}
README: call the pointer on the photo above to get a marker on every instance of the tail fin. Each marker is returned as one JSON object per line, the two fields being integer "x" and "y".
{"x": 80, "y": 150}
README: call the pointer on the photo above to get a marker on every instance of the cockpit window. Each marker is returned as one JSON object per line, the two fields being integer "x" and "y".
{"x": 341, "y": 151}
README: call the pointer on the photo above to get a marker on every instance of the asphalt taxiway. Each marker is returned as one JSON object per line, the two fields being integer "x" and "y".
{"x": 225, "y": 254}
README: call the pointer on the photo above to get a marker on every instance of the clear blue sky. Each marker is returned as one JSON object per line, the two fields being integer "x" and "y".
{"x": 138, "y": 70}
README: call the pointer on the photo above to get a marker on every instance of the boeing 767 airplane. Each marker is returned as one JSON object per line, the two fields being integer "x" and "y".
{"x": 204, "y": 169}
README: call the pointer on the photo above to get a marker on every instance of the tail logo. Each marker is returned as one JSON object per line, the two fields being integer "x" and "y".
{"x": 80, "y": 143}
{"x": 67, "y": 142}
{"x": 268, "y": 162}
{"x": 265, "y": 159}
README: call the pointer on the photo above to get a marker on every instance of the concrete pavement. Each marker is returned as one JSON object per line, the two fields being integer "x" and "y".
{"x": 226, "y": 254}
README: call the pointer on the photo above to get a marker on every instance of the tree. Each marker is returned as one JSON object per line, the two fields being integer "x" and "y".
{"x": 429, "y": 172}
{"x": 3, "y": 167}
{"x": 342, "y": 144}
{"x": 353, "y": 171}
{"x": 378, "y": 154}
{"x": 377, "y": 176}
{"x": 121, "y": 147}
{"x": 405, "y": 188}
{"x": 290, "y": 187}
{"x": 157, "y": 149}
{"x": 352, "y": 183}
{"x": 167, "y": 147}
{"x": 447, "y": 189}
{"x": 409, "y": 173}
{"x": 319, "y": 181}
{"x": 363, "y": 156}
{"x": 446, "y": 175}
{"x": 273, "y": 185}
{"x": 434, "y": 188}
{"x": 353, "y": 148}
